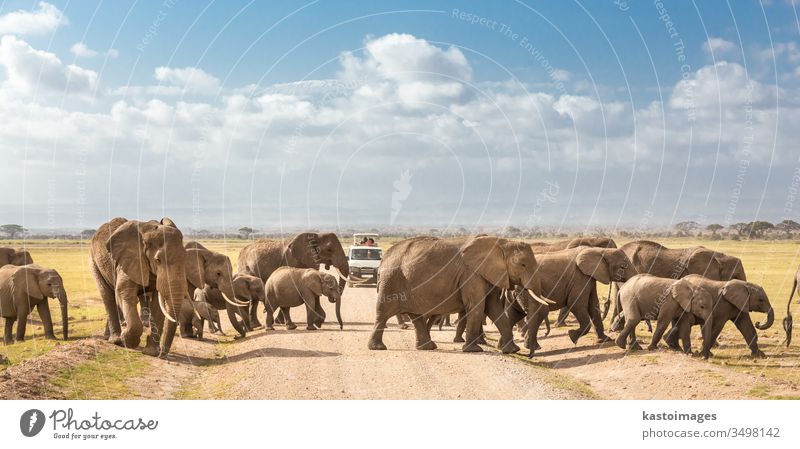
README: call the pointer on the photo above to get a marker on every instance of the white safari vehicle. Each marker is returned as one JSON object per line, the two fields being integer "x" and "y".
{"x": 364, "y": 256}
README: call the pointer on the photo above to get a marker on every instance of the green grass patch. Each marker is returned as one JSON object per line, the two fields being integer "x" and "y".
{"x": 105, "y": 377}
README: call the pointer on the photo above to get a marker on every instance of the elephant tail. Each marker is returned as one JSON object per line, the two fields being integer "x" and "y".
{"x": 787, "y": 322}
{"x": 547, "y": 325}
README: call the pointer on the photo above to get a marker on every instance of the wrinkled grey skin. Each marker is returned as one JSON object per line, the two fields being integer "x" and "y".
{"x": 290, "y": 287}
{"x": 787, "y": 322}
{"x": 666, "y": 300}
{"x": 211, "y": 270}
{"x": 658, "y": 260}
{"x": 25, "y": 287}
{"x": 305, "y": 250}
{"x": 249, "y": 289}
{"x": 569, "y": 278}
{"x": 427, "y": 276}
{"x": 11, "y": 256}
{"x": 203, "y": 311}
{"x": 733, "y": 301}
{"x": 132, "y": 258}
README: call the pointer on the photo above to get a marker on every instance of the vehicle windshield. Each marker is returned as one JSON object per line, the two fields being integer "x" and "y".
{"x": 365, "y": 254}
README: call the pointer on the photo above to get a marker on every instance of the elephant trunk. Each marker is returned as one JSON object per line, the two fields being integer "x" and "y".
{"x": 62, "y": 299}
{"x": 339, "y": 311}
{"x": 787, "y": 322}
{"x": 340, "y": 262}
{"x": 770, "y": 320}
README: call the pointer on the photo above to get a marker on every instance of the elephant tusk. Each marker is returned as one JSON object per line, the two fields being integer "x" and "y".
{"x": 235, "y": 302}
{"x": 542, "y": 300}
{"x": 164, "y": 309}
{"x": 196, "y": 314}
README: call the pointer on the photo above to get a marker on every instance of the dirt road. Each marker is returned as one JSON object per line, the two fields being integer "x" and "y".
{"x": 336, "y": 364}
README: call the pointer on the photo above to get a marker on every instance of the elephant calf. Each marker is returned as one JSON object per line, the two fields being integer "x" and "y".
{"x": 666, "y": 300}
{"x": 289, "y": 287}
{"x": 22, "y": 288}
{"x": 203, "y": 311}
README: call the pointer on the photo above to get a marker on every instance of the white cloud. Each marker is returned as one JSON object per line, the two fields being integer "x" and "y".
{"x": 30, "y": 70}
{"x": 192, "y": 79}
{"x": 80, "y": 50}
{"x": 44, "y": 19}
{"x": 346, "y": 138}
{"x": 718, "y": 46}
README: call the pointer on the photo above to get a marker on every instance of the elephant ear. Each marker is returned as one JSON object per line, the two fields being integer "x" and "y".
{"x": 166, "y": 221}
{"x": 22, "y": 258}
{"x": 27, "y": 280}
{"x": 196, "y": 267}
{"x": 485, "y": 256}
{"x": 738, "y": 294}
{"x": 127, "y": 248}
{"x": 682, "y": 293}
{"x": 303, "y": 251}
{"x": 591, "y": 262}
{"x": 314, "y": 283}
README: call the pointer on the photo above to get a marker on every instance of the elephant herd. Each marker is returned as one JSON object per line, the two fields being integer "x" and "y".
{"x": 149, "y": 278}
{"x": 518, "y": 284}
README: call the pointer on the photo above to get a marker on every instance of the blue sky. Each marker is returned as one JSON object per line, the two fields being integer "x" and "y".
{"x": 278, "y": 114}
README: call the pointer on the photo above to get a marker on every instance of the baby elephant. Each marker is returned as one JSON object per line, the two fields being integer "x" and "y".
{"x": 22, "y": 288}
{"x": 203, "y": 312}
{"x": 666, "y": 300}
{"x": 289, "y": 287}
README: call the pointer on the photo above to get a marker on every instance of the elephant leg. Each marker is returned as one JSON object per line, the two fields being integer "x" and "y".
{"x": 673, "y": 336}
{"x": 597, "y": 316}
{"x": 287, "y": 316}
{"x": 254, "y": 323}
{"x": 401, "y": 320}
{"x": 237, "y": 325}
{"x": 627, "y": 331}
{"x": 22, "y": 322}
{"x": 47, "y": 319}
{"x": 496, "y": 310}
{"x": 311, "y": 313}
{"x": 461, "y": 325}
{"x": 270, "y": 320}
{"x": 200, "y": 327}
{"x": 584, "y": 323}
{"x": 661, "y": 327}
{"x": 534, "y": 320}
{"x": 128, "y": 299}
{"x": 424, "y": 341}
{"x": 685, "y": 333}
{"x": 245, "y": 314}
{"x": 152, "y": 346}
{"x": 748, "y": 331}
{"x": 8, "y": 336}
{"x": 281, "y": 318}
{"x": 561, "y": 321}
{"x": 474, "y": 295}
{"x": 320, "y": 312}
{"x": 716, "y": 328}
{"x": 431, "y": 321}
{"x": 113, "y": 325}
{"x": 376, "y": 339}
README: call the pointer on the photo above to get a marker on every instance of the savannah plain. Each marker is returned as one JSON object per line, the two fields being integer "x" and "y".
{"x": 335, "y": 364}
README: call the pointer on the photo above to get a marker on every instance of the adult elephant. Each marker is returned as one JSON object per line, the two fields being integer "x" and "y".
{"x": 24, "y": 287}
{"x": 129, "y": 258}
{"x": 595, "y": 242}
{"x": 11, "y": 256}
{"x": 305, "y": 250}
{"x": 248, "y": 290}
{"x": 733, "y": 301}
{"x": 569, "y": 277}
{"x": 658, "y": 260}
{"x": 205, "y": 268}
{"x": 787, "y": 322}
{"x": 427, "y": 276}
